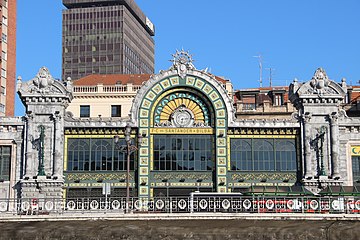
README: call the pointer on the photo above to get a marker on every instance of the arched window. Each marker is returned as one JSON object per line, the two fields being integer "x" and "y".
{"x": 101, "y": 155}
{"x": 285, "y": 153}
{"x": 89, "y": 154}
{"x": 78, "y": 155}
{"x": 241, "y": 155}
{"x": 263, "y": 155}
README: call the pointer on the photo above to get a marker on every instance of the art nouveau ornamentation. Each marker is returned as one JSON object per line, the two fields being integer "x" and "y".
{"x": 182, "y": 62}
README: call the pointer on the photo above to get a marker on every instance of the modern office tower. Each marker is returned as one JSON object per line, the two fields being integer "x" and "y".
{"x": 8, "y": 57}
{"x": 106, "y": 37}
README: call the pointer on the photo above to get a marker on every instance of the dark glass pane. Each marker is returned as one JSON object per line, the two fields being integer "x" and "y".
{"x": 85, "y": 111}
{"x": 183, "y": 152}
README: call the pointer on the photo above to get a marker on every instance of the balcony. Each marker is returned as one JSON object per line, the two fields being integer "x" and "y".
{"x": 106, "y": 89}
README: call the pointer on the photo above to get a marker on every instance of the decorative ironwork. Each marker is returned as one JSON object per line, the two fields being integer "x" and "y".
{"x": 177, "y": 176}
{"x": 260, "y": 176}
{"x": 263, "y": 131}
{"x": 231, "y": 203}
{"x": 318, "y": 145}
{"x": 96, "y": 176}
{"x": 38, "y": 144}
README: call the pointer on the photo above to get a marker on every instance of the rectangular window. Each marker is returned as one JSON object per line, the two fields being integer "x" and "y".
{"x": 5, "y": 156}
{"x": 4, "y": 37}
{"x": 3, "y": 90}
{"x": 183, "y": 153}
{"x": 3, "y": 73}
{"x": 263, "y": 154}
{"x": 3, "y": 55}
{"x": 278, "y": 100}
{"x": 249, "y": 102}
{"x": 356, "y": 169}
{"x": 2, "y": 108}
{"x": 85, "y": 111}
{"x": 115, "y": 110}
{"x": 4, "y": 20}
{"x": 94, "y": 154}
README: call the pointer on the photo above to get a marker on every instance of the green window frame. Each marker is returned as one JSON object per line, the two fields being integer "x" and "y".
{"x": 96, "y": 154}
{"x": 263, "y": 154}
{"x": 5, "y": 162}
{"x": 183, "y": 153}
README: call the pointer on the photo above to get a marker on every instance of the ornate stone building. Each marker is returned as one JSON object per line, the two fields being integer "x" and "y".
{"x": 184, "y": 133}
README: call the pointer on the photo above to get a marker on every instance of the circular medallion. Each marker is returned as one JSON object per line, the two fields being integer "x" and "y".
{"x": 182, "y": 117}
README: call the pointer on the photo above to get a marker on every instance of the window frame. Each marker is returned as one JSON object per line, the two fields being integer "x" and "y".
{"x": 85, "y": 108}
{"x": 117, "y": 109}
{"x": 260, "y": 158}
{"x": 3, "y": 164}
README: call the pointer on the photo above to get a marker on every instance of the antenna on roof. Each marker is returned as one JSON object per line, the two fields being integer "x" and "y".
{"x": 260, "y": 68}
{"x": 270, "y": 75}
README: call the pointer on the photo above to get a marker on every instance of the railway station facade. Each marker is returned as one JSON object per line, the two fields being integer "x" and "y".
{"x": 185, "y": 131}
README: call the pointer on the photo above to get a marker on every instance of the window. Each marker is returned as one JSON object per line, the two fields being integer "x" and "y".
{"x": 4, "y": 20}
{"x": 249, "y": 102}
{"x": 183, "y": 153}
{"x": 278, "y": 100}
{"x": 356, "y": 168}
{"x": 84, "y": 111}
{"x": 87, "y": 154}
{"x": 3, "y": 90}
{"x": 3, "y": 55}
{"x": 3, "y": 72}
{"x": 5, "y": 156}
{"x": 115, "y": 110}
{"x": 4, "y": 37}
{"x": 2, "y": 108}
{"x": 263, "y": 154}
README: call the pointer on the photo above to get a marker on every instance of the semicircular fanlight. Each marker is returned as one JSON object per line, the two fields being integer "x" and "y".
{"x": 169, "y": 104}
{"x": 176, "y": 103}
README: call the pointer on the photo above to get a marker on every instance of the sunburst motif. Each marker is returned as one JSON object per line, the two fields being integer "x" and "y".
{"x": 188, "y": 103}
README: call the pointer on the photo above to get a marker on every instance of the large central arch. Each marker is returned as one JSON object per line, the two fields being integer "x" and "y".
{"x": 207, "y": 102}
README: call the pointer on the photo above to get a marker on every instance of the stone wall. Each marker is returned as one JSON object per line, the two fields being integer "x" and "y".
{"x": 186, "y": 229}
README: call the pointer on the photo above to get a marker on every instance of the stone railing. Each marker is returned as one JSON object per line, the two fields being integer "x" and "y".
{"x": 100, "y": 88}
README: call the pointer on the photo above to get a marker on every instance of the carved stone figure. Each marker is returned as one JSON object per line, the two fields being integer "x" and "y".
{"x": 43, "y": 80}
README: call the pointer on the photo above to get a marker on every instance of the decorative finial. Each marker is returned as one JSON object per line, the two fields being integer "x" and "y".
{"x": 319, "y": 81}
{"x": 182, "y": 62}
{"x": 43, "y": 80}
{"x": 343, "y": 83}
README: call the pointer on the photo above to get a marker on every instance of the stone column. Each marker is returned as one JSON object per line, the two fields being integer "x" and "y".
{"x": 30, "y": 154}
{"x": 58, "y": 147}
{"x": 309, "y": 173}
{"x": 334, "y": 124}
{"x": 19, "y": 171}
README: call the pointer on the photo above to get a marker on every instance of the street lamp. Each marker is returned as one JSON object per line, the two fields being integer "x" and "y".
{"x": 128, "y": 149}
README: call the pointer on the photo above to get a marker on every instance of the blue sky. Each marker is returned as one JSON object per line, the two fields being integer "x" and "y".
{"x": 293, "y": 37}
